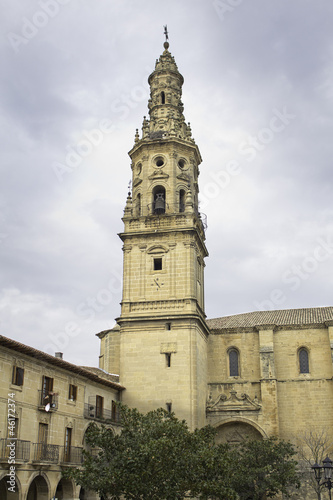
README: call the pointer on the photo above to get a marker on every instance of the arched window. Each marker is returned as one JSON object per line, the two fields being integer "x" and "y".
{"x": 233, "y": 363}
{"x": 162, "y": 97}
{"x": 182, "y": 200}
{"x": 303, "y": 357}
{"x": 159, "y": 200}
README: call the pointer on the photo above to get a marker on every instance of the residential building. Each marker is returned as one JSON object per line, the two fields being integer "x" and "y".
{"x": 46, "y": 406}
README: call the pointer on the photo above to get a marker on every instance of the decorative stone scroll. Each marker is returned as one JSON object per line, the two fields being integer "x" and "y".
{"x": 233, "y": 403}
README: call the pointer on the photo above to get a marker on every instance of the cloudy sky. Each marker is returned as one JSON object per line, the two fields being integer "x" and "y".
{"x": 258, "y": 92}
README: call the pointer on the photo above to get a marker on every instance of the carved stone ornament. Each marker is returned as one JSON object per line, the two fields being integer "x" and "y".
{"x": 183, "y": 177}
{"x": 69, "y": 423}
{"x": 157, "y": 174}
{"x": 45, "y": 419}
{"x": 168, "y": 347}
{"x": 233, "y": 403}
{"x": 18, "y": 362}
{"x": 137, "y": 181}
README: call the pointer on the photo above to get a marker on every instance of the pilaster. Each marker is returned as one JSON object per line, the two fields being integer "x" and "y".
{"x": 268, "y": 380}
{"x": 329, "y": 325}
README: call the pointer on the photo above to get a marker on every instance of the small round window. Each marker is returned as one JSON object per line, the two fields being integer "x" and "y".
{"x": 181, "y": 163}
{"x": 159, "y": 162}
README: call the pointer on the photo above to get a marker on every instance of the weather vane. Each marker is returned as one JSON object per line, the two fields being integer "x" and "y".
{"x": 166, "y": 33}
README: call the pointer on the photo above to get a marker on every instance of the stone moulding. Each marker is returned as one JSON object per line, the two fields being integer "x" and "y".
{"x": 157, "y": 304}
{"x": 233, "y": 403}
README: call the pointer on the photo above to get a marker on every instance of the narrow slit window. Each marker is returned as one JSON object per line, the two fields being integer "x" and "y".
{"x": 233, "y": 363}
{"x": 169, "y": 407}
{"x": 303, "y": 361}
{"x": 182, "y": 200}
{"x": 162, "y": 97}
{"x": 158, "y": 264}
{"x": 168, "y": 359}
{"x": 138, "y": 204}
{"x": 168, "y": 326}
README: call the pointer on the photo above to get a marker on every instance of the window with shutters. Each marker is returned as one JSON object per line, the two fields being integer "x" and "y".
{"x": 99, "y": 406}
{"x": 18, "y": 376}
{"x": 72, "y": 392}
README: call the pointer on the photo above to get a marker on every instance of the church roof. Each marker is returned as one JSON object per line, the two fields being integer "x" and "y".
{"x": 284, "y": 317}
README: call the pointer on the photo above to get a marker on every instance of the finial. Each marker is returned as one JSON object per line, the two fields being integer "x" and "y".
{"x": 166, "y": 43}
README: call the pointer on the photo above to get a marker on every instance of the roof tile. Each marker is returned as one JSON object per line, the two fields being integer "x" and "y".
{"x": 284, "y": 317}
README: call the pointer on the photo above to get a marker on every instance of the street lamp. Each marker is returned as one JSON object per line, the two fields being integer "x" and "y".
{"x": 327, "y": 479}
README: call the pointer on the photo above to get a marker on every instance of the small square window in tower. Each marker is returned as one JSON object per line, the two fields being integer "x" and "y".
{"x": 158, "y": 264}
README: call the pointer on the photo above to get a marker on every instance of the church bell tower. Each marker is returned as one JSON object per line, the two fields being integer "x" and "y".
{"x": 162, "y": 339}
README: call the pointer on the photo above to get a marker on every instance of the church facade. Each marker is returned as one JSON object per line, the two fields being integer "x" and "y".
{"x": 258, "y": 374}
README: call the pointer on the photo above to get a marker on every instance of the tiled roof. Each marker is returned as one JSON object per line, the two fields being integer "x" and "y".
{"x": 284, "y": 317}
{"x": 102, "y": 373}
{"x": 43, "y": 356}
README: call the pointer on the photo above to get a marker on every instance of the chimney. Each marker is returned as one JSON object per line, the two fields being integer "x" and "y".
{"x": 58, "y": 355}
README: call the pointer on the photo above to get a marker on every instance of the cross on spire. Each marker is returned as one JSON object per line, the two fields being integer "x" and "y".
{"x": 166, "y": 33}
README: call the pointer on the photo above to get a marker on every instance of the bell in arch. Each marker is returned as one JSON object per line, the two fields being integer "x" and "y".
{"x": 159, "y": 203}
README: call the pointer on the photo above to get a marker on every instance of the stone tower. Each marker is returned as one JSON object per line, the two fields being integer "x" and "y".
{"x": 159, "y": 347}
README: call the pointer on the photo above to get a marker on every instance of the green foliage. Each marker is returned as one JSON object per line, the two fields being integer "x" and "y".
{"x": 264, "y": 468}
{"x": 155, "y": 456}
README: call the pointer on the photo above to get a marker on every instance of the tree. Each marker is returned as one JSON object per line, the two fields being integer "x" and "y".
{"x": 264, "y": 469}
{"x": 313, "y": 446}
{"x": 155, "y": 456}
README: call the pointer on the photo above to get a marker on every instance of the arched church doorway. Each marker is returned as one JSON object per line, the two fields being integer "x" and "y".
{"x": 38, "y": 489}
{"x": 235, "y": 432}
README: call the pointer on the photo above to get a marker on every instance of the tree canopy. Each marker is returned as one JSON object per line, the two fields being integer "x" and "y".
{"x": 156, "y": 456}
{"x": 264, "y": 468}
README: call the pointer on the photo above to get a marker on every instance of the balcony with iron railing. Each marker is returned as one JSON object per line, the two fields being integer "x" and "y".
{"x": 15, "y": 449}
{"x": 55, "y": 454}
{"x": 97, "y": 413}
{"x": 70, "y": 455}
{"x": 25, "y": 451}
{"x": 47, "y": 401}
{"x": 43, "y": 452}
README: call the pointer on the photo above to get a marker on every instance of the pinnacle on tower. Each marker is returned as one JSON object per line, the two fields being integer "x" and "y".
{"x": 165, "y": 107}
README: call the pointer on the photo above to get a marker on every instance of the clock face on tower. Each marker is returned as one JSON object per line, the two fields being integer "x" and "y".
{"x": 157, "y": 284}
